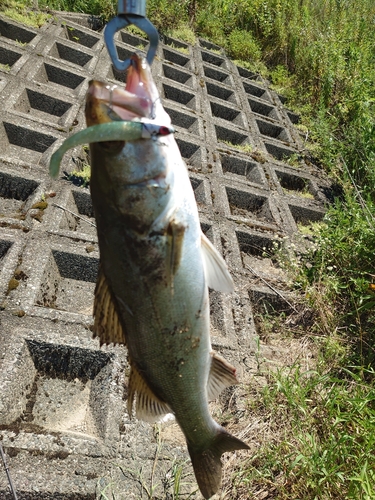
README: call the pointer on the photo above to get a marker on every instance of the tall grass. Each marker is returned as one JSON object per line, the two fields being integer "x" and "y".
{"x": 105, "y": 9}
{"x": 320, "y": 438}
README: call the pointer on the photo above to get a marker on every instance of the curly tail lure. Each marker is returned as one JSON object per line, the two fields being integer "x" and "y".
{"x": 112, "y": 131}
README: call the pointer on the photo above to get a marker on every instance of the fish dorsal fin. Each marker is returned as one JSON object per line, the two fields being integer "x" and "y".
{"x": 107, "y": 325}
{"x": 175, "y": 234}
{"x": 222, "y": 375}
{"x": 148, "y": 406}
{"x": 217, "y": 274}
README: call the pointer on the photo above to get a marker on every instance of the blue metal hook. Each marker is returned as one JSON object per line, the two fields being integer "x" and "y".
{"x": 130, "y": 12}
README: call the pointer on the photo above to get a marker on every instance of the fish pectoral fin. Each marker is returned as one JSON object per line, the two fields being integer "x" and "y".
{"x": 148, "y": 407}
{"x": 175, "y": 238}
{"x": 216, "y": 272}
{"x": 107, "y": 325}
{"x": 222, "y": 374}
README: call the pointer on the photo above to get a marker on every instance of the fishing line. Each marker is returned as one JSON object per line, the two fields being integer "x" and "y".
{"x": 111, "y": 88}
{"x": 153, "y": 107}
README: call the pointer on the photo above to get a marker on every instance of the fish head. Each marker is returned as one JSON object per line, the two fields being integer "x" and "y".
{"x": 135, "y": 175}
{"x": 139, "y": 100}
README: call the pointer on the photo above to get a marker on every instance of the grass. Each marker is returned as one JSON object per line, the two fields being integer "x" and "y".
{"x": 244, "y": 148}
{"x": 304, "y": 193}
{"x": 317, "y": 421}
{"x": 319, "y": 441}
{"x": 23, "y": 11}
{"x": 216, "y": 51}
{"x": 135, "y": 31}
{"x": 183, "y": 50}
{"x": 21, "y": 44}
{"x": 311, "y": 229}
{"x": 105, "y": 9}
{"x": 293, "y": 160}
{"x": 345, "y": 253}
{"x": 254, "y": 66}
{"x": 80, "y": 177}
{"x": 312, "y": 419}
{"x": 183, "y": 32}
{"x": 168, "y": 478}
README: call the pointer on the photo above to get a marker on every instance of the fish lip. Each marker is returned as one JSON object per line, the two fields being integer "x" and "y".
{"x": 135, "y": 101}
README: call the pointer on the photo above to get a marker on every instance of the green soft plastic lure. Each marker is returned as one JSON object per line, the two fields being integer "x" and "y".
{"x": 111, "y": 131}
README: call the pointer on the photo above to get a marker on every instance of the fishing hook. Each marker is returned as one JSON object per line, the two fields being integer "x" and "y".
{"x": 130, "y": 12}
{"x": 111, "y": 88}
{"x": 12, "y": 489}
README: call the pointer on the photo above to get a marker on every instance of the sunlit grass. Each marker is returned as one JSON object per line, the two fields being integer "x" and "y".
{"x": 320, "y": 437}
{"x": 23, "y": 11}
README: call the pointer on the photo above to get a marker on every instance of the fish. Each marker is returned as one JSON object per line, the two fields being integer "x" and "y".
{"x": 156, "y": 267}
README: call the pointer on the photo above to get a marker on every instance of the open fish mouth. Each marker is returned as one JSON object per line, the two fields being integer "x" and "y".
{"x": 106, "y": 103}
{"x": 118, "y": 115}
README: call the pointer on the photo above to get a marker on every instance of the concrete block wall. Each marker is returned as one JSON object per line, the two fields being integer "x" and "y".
{"x": 63, "y": 422}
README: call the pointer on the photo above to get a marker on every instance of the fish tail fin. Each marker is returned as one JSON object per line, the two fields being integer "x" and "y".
{"x": 207, "y": 464}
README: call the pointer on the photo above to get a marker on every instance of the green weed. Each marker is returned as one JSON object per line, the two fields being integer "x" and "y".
{"x": 303, "y": 193}
{"x": 168, "y": 16}
{"x": 243, "y": 46}
{"x": 184, "y": 50}
{"x": 183, "y": 32}
{"x": 216, "y": 51}
{"x": 293, "y": 160}
{"x": 245, "y": 148}
{"x": 106, "y": 9}
{"x": 21, "y": 44}
{"x": 254, "y": 66}
{"x": 80, "y": 177}
{"x": 322, "y": 442}
{"x": 23, "y": 12}
{"x": 343, "y": 265}
{"x": 310, "y": 229}
{"x": 135, "y": 31}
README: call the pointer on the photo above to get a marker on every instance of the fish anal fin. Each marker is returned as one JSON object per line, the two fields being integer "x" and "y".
{"x": 216, "y": 272}
{"x": 175, "y": 235}
{"x": 107, "y": 325}
{"x": 222, "y": 374}
{"x": 148, "y": 407}
{"x": 207, "y": 464}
